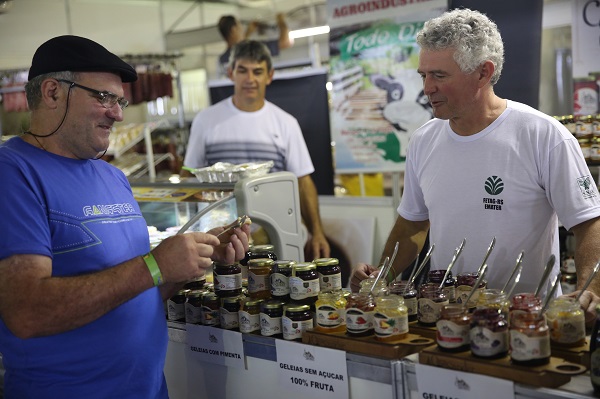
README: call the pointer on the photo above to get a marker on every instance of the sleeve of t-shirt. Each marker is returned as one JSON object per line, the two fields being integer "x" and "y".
{"x": 194, "y": 155}
{"x": 412, "y": 205}
{"x": 298, "y": 159}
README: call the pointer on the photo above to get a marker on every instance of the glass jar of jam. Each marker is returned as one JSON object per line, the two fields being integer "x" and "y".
{"x": 409, "y": 294}
{"x": 330, "y": 312}
{"x": 259, "y": 270}
{"x": 488, "y": 335}
{"x": 464, "y": 285}
{"x": 227, "y": 279}
{"x": 430, "y": 302}
{"x": 330, "y": 274}
{"x": 249, "y": 316}
{"x": 280, "y": 279}
{"x": 494, "y": 298}
{"x": 359, "y": 314}
{"x": 436, "y": 276}
{"x": 271, "y": 312}
{"x": 193, "y": 306}
{"x": 176, "y": 306}
{"x": 524, "y": 302}
{"x": 566, "y": 321}
{"x": 453, "y": 328}
{"x": 381, "y": 289}
{"x": 195, "y": 284}
{"x": 529, "y": 339}
{"x": 304, "y": 283}
{"x": 229, "y": 312}
{"x": 211, "y": 309}
{"x": 390, "y": 318}
{"x": 296, "y": 319}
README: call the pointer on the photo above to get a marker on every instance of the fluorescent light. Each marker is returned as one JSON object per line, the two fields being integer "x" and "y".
{"x": 317, "y": 30}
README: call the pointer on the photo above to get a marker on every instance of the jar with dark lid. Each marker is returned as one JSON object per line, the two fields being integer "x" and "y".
{"x": 489, "y": 333}
{"x": 259, "y": 251}
{"x": 566, "y": 321}
{"x": 464, "y": 284}
{"x": 453, "y": 328}
{"x": 359, "y": 314}
{"x": 296, "y": 319}
{"x": 249, "y": 315}
{"x": 279, "y": 279}
{"x": 304, "y": 283}
{"x": 271, "y": 312}
{"x": 229, "y": 312}
{"x": 430, "y": 303}
{"x": 210, "y": 309}
{"x": 176, "y": 306}
{"x": 436, "y": 276}
{"x": 529, "y": 340}
{"x": 330, "y": 273}
{"x": 227, "y": 279}
{"x": 390, "y": 318}
{"x": 330, "y": 309}
{"x": 193, "y": 306}
{"x": 409, "y": 294}
{"x": 259, "y": 270}
{"x": 195, "y": 284}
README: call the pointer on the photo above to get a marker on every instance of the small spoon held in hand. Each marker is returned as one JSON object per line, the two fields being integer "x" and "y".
{"x": 588, "y": 281}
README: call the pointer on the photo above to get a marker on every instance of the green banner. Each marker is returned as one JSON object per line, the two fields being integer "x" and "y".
{"x": 379, "y": 36}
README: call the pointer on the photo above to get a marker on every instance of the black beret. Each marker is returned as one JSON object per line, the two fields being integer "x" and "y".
{"x": 78, "y": 54}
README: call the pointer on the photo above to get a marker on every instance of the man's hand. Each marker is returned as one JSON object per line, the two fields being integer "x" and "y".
{"x": 233, "y": 244}
{"x": 317, "y": 247}
{"x": 361, "y": 272}
{"x": 588, "y": 302}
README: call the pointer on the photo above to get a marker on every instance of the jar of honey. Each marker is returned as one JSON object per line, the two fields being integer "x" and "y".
{"x": 330, "y": 274}
{"x": 255, "y": 252}
{"x": 330, "y": 312}
{"x": 390, "y": 318}
{"x": 259, "y": 270}
{"x": 359, "y": 314}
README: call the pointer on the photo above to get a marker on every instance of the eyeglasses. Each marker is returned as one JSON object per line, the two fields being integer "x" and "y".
{"x": 106, "y": 98}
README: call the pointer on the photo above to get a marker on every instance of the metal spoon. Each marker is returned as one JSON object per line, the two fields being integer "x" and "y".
{"x": 514, "y": 271}
{"x": 453, "y": 261}
{"x": 382, "y": 271}
{"x": 239, "y": 222}
{"x": 546, "y": 274}
{"x": 550, "y": 294}
{"x": 477, "y": 282}
{"x": 393, "y": 258}
{"x": 416, "y": 271}
{"x": 588, "y": 281}
{"x": 509, "y": 293}
{"x": 487, "y": 254}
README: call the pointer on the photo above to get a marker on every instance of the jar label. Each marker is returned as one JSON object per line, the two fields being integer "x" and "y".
{"x": 567, "y": 288}
{"x": 567, "y": 329}
{"x": 463, "y": 291}
{"x": 227, "y": 282}
{"x": 269, "y": 325}
{"x": 193, "y": 314}
{"x": 210, "y": 317}
{"x": 358, "y": 321}
{"x": 450, "y": 293}
{"x": 329, "y": 316}
{"x": 280, "y": 285}
{"x": 486, "y": 343}
{"x": 229, "y": 320}
{"x": 258, "y": 282}
{"x": 329, "y": 282}
{"x": 175, "y": 311}
{"x": 294, "y": 329}
{"x": 387, "y": 325}
{"x": 523, "y": 347}
{"x": 411, "y": 305}
{"x": 429, "y": 311}
{"x": 451, "y": 335}
{"x": 249, "y": 322}
{"x": 300, "y": 289}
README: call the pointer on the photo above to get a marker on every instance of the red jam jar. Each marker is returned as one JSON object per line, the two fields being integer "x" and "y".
{"x": 436, "y": 276}
{"x": 359, "y": 314}
{"x": 488, "y": 335}
{"x": 529, "y": 339}
{"x": 430, "y": 303}
{"x": 453, "y": 328}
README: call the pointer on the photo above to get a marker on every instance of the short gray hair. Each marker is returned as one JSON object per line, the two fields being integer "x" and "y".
{"x": 250, "y": 50}
{"x": 33, "y": 88}
{"x": 472, "y": 34}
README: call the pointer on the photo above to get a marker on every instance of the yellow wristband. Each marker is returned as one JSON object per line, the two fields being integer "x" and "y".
{"x": 153, "y": 268}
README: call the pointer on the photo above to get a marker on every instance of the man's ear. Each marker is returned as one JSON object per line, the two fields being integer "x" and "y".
{"x": 486, "y": 70}
{"x": 271, "y": 73}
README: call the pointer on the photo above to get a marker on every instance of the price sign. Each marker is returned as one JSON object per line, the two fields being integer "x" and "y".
{"x": 314, "y": 371}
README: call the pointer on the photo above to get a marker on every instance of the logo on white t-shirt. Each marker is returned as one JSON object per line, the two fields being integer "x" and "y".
{"x": 494, "y": 185}
{"x": 586, "y": 185}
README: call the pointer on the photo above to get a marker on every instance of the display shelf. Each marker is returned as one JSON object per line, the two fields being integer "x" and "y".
{"x": 135, "y": 165}
{"x": 127, "y": 136}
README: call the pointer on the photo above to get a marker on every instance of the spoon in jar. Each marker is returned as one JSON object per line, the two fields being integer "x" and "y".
{"x": 487, "y": 254}
{"x": 453, "y": 261}
{"x": 382, "y": 271}
{"x": 482, "y": 271}
{"x": 588, "y": 281}
{"x": 515, "y": 282}
{"x": 393, "y": 258}
{"x": 546, "y": 274}
{"x": 550, "y": 294}
{"x": 514, "y": 271}
{"x": 417, "y": 270}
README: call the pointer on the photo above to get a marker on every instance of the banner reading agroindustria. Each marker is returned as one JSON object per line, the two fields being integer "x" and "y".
{"x": 377, "y": 97}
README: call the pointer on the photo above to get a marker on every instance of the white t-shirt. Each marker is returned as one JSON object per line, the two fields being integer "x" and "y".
{"x": 514, "y": 180}
{"x": 223, "y": 133}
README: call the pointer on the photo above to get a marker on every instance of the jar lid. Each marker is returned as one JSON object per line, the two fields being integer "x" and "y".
{"x": 210, "y": 296}
{"x": 232, "y": 299}
{"x": 326, "y": 262}
{"x": 285, "y": 264}
{"x": 197, "y": 293}
{"x": 297, "y": 308}
{"x": 262, "y": 248}
{"x": 220, "y": 264}
{"x": 272, "y": 305}
{"x": 260, "y": 262}
{"x": 183, "y": 292}
{"x": 304, "y": 266}
{"x": 253, "y": 302}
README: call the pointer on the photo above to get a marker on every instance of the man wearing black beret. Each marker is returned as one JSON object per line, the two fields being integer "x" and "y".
{"x": 81, "y": 294}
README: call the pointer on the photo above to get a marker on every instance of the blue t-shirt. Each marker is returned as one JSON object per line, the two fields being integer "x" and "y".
{"x": 82, "y": 214}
